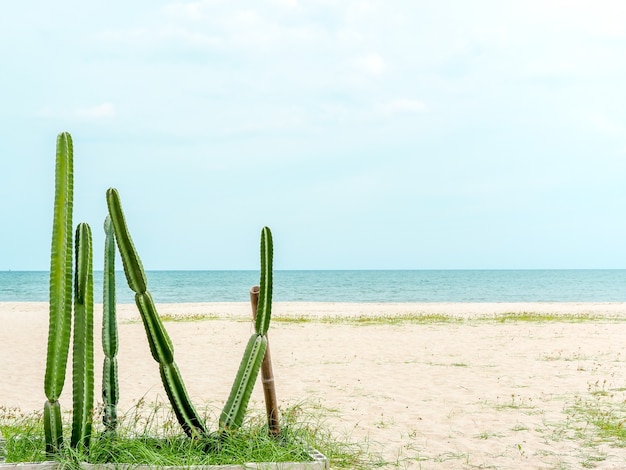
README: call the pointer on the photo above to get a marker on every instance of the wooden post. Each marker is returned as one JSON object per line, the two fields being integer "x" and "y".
{"x": 267, "y": 375}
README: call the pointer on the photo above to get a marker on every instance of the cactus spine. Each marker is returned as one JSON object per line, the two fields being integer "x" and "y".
{"x": 110, "y": 388}
{"x": 158, "y": 339}
{"x": 82, "y": 355}
{"x": 60, "y": 291}
{"x": 235, "y": 408}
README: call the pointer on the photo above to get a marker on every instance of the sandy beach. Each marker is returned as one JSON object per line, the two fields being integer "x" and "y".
{"x": 474, "y": 393}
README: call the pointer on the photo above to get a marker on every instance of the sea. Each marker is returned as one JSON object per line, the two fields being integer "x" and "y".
{"x": 545, "y": 285}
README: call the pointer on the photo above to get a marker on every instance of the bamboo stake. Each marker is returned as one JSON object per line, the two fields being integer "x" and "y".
{"x": 267, "y": 375}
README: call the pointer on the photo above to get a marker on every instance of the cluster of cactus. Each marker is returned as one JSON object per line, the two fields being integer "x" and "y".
{"x": 61, "y": 276}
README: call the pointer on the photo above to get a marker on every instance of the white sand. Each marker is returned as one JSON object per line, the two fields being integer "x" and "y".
{"x": 474, "y": 394}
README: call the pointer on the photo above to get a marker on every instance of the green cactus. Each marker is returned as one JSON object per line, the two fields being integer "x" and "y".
{"x": 133, "y": 269}
{"x": 233, "y": 413}
{"x": 60, "y": 292}
{"x": 82, "y": 354}
{"x": 160, "y": 344}
{"x": 264, "y": 308}
{"x": 158, "y": 339}
{"x": 110, "y": 388}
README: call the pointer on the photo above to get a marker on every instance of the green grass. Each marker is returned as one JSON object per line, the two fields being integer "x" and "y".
{"x": 538, "y": 317}
{"x": 185, "y": 317}
{"x": 409, "y": 318}
{"x": 413, "y": 318}
{"x": 189, "y": 317}
{"x": 605, "y": 414}
{"x": 150, "y": 435}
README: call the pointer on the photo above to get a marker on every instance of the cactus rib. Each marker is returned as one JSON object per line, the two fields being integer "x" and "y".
{"x": 110, "y": 394}
{"x": 160, "y": 343}
{"x": 83, "y": 373}
{"x": 53, "y": 427}
{"x": 233, "y": 413}
{"x": 60, "y": 290}
{"x": 264, "y": 309}
{"x": 184, "y": 410}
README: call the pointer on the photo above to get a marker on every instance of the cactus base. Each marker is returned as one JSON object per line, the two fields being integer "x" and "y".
{"x": 318, "y": 462}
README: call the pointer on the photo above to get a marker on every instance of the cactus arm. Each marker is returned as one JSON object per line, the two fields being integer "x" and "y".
{"x": 133, "y": 269}
{"x": 110, "y": 342}
{"x": 82, "y": 355}
{"x": 60, "y": 290}
{"x": 264, "y": 308}
{"x": 177, "y": 394}
{"x": 158, "y": 339}
{"x": 109, "y": 323}
{"x": 160, "y": 343}
{"x": 233, "y": 413}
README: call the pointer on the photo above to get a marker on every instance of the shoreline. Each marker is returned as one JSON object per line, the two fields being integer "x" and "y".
{"x": 329, "y": 309}
{"x": 431, "y": 396}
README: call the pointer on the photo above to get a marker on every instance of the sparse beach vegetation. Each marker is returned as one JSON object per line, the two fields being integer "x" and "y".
{"x": 405, "y": 318}
{"x": 149, "y": 434}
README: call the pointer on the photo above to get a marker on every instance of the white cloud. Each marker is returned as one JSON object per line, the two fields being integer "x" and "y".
{"x": 286, "y": 3}
{"x": 401, "y": 106}
{"x": 167, "y": 34}
{"x": 99, "y": 111}
{"x": 600, "y": 17}
{"x": 370, "y": 111}
{"x": 194, "y": 11}
{"x": 372, "y": 64}
{"x": 607, "y": 126}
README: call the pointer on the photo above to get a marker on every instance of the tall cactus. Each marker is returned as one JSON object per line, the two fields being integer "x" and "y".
{"x": 158, "y": 339}
{"x": 110, "y": 388}
{"x": 82, "y": 354}
{"x": 233, "y": 413}
{"x": 60, "y": 291}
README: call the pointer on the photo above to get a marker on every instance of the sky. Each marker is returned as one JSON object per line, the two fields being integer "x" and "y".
{"x": 366, "y": 134}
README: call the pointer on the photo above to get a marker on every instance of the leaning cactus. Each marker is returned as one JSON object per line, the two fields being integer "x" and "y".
{"x": 233, "y": 413}
{"x": 110, "y": 389}
{"x": 60, "y": 292}
{"x": 82, "y": 354}
{"x": 158, "y": 339}
{"x": 267, "y": 375}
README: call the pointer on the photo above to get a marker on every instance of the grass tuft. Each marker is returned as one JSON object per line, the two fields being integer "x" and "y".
{"x": 607, "y": 417}
{"x": 150, "y": 435}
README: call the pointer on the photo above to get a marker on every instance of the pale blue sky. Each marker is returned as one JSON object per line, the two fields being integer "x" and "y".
{"x": 366, "y": 134}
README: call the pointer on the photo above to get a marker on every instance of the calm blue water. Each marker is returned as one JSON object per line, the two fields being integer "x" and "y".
{"x": 353, "y": 286}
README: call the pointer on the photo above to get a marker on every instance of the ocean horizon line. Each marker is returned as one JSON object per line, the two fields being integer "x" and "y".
{"x": 389, "y": 285}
